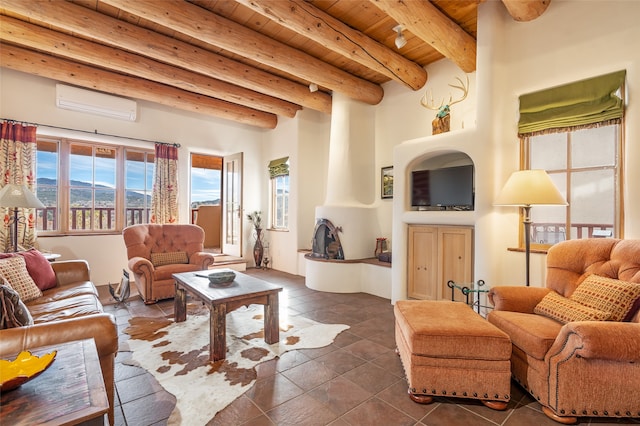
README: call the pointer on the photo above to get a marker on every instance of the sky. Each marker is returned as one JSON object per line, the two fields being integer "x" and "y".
{"x": 205, "y": 183}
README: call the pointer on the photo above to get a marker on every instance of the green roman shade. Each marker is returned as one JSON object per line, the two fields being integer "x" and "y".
{"x": 279, "y": 167}
{"x": 581, "y": 103}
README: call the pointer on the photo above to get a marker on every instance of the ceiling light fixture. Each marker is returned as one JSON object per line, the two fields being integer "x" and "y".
{"x": 400, "y": 40}
{"x": 313, "y": 87}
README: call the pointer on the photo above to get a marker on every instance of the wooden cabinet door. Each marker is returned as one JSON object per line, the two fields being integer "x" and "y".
{"x": 455, "y": 260}
{"x": 422, "y": 265}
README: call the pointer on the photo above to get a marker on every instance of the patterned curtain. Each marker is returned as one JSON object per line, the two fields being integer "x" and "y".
{"x": 164, "y": 199}
{"x": 18, "y": 166}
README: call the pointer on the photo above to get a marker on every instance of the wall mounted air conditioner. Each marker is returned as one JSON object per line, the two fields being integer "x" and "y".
{"x": 75, "y": 99}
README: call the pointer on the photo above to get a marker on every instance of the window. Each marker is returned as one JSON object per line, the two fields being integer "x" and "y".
{"x": 584, "y": 165}
{"x": 279, "y": 204}
{"x": 139, "y": 170}
{"x": 574, "y": 132}
{"x": 91, "y": 187}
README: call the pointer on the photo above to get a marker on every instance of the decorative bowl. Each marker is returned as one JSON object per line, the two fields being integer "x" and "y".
{"x": 25, "y": 367}
{"x": 221, "y": 278}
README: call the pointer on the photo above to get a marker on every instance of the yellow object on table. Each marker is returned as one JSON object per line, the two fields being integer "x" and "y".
{"x": 25, "y": 367}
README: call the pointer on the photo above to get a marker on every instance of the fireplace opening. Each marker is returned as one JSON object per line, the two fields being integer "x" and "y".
{"x": 326, "y": 242}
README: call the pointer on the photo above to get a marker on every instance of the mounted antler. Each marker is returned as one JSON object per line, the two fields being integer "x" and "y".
{"x": 443, "y": 109}
{"x": 441, "y": 122}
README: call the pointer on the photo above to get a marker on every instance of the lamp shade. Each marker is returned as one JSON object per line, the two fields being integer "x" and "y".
{"x": 12, "y": 195}
{"x": 529, "y": 187}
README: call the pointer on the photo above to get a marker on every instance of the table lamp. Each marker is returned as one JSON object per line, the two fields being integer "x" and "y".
{"x": 526, "y": 188}
{"x": 15, "y": 197}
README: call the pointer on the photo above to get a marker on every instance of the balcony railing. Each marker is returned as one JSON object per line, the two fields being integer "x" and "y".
{"x": 552, "y": 233}
{"x": 80, "y": 218}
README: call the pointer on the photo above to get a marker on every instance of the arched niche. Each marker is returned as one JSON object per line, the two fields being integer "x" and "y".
{"x": 433, "y": 161}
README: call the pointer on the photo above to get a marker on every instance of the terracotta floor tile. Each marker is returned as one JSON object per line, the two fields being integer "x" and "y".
{"x": 376, "y": 412}
{"x": 366, "y": 349}
{"x": 272, "y": 391}
{"x": 238, "y": 412}
{"x": 301, "y": 411}
{"x": 341, "y": 361}
{"x": 371, "y": 378}
{"x": 340, "y": 395}
{"x": 310, "y": 374}
{"x": 149, "y": 409}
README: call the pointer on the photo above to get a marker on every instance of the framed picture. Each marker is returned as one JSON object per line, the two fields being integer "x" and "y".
{"x": 386, "y": 183}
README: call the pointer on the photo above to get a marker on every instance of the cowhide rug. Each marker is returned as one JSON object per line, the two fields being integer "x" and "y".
{"x": 177, "y": 355}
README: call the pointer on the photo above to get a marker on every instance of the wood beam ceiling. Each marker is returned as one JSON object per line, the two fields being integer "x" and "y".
{"x": 27, "y": 35}
{"x": 217, "y": 31}
{"x": 313, "y": 23}
{"x": 31, "y": 62}
{"x": 424, "y": 20}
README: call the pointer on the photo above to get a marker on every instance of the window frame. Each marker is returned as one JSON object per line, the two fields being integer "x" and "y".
{"x": 618, "y": 179}
{"x": 274, "y": 217}
{"x": 63, "y": 186}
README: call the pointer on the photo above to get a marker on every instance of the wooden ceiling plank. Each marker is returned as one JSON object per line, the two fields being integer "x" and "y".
{"x": 526, "y": 10}
{"x": 47, "y": 66}
{"x": 68, "y": 17}
{"x": 218, "y": 31}
{"x": 429, "y": 24}
{"x": 313, "y": 23}
{"x": 37, "y": 38}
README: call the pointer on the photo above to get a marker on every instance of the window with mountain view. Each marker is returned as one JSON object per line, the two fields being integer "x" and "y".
{"x": 89, "y": 187}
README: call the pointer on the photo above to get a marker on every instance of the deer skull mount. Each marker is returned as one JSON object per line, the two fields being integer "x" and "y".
{"x": 441, "y": 123}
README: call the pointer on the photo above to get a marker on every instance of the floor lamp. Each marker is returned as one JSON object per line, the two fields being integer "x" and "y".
{"x": 527, "y": 188}
{"x": 15, "y": 197}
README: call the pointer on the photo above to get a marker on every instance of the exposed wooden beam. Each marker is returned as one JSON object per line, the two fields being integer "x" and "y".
{"x": 215, "y": 30}
{"x": 20, "y": 59}
{"x": 526, "y": 10}
{"x": 58, "y": 44}
{"x": 95, "y": 26}
{"x": 311, "y": 22}
{"x": 426, "y": 22}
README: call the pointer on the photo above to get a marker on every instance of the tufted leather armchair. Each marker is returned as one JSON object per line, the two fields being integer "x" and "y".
{"x": 146, "y": 243}
{"x": 581, "y": 368}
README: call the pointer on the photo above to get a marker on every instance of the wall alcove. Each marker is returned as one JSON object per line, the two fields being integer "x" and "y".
{"x": 441, "y": 182}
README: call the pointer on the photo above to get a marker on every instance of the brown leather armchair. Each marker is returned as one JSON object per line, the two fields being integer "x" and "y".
{"x": 155, "y": 252}
{"x": 582, "y": 367}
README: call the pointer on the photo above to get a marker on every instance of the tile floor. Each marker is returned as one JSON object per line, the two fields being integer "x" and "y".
{"x": 357, "y": 380}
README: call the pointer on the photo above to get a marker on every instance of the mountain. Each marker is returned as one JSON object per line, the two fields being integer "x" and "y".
{"x": 47, "y": 193}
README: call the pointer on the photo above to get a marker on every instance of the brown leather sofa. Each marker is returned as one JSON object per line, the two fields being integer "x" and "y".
{"x": 584, "y": 368}
{"x": 69, "y": 311}
{"x": 156, "y": 252}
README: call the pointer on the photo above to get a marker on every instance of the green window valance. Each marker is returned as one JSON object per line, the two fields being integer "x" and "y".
{"x": 279, "y": 167}
{"x": 581, "y": 103}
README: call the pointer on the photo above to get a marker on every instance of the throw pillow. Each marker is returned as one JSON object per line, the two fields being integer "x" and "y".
{"x": 566, "y": 310}
{"x": 14, "y": 270}
{"x": 39, "y": 268}
{"x": 13, "y": 312}
{"x": 159, "y": 259}
{"x": 609, "y": 294}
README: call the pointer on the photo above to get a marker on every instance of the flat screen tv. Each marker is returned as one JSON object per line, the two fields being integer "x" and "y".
{"x": 449, "y": 188}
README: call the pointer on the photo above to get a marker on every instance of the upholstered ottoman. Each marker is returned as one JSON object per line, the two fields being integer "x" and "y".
{"x": 449, "y": 350}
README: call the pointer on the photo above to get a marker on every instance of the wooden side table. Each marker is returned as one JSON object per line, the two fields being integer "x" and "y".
{"x": 70, "y": 392}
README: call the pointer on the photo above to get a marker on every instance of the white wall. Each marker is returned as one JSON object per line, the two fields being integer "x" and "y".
{"x": 514, "y": 58}
{"x": 30, "y": 98}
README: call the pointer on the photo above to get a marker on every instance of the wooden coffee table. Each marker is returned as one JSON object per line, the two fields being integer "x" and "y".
{"x": 244, "y": 291}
